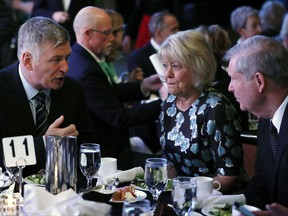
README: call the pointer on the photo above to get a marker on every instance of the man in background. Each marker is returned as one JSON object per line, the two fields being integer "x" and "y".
{"x": 104, "y": 97}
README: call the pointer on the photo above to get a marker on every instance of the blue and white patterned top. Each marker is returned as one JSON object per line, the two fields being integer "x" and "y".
{"x": 203, "y": 140}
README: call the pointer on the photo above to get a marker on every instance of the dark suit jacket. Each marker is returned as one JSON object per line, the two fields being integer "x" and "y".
{"x": 16, "y": 117}
{"x": 112, "y": 119}
{"x": 140, "y": 58}
{"x": 46, "y": 8}
{"x": 271, "y": 176}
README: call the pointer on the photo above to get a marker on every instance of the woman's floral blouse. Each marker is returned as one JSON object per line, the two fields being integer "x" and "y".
{"x": 203, "y": 140}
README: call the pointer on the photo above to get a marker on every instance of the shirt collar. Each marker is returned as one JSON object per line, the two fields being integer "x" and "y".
{"x": 155, "y": 45}
{"x": 30, "y": 90}
{"x": 278, "y": 116}
{"x": 93, "y": 55}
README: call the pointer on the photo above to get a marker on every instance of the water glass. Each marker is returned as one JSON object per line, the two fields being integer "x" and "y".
{"x": 184, "y": 196}
{"x": 138, "y": 208}
{"x": 155, "y": 177}
{"x": 90, "y": 161}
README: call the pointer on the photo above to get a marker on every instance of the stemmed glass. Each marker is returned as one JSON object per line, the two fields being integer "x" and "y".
{"x": 90, "y": 161}
{"x": 184, "y": 197}
{"x": 155, "y": 177}
{"x": 16, "y": 172}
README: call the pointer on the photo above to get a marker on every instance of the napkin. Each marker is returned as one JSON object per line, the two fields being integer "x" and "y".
{"x": 219, "y": 199}
{"x": 158, "y": 67}
{"x": 124, "y": 176}
{"x": 38, "y": 201}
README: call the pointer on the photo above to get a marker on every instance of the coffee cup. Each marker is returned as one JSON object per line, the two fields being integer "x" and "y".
{"x": 108, "y": 166}
{"x": 205, "y": 185}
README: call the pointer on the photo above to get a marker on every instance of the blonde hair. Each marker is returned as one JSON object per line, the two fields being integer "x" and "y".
{"x": 192, "y": 50}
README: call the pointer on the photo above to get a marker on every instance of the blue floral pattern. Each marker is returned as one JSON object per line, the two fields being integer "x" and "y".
{"x": 205, "y": 139}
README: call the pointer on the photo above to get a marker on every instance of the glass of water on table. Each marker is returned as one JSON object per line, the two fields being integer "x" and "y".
{"x": 155, "y": 177}
{"x": 90, "y": 161}
{"x": 184, "y": 195}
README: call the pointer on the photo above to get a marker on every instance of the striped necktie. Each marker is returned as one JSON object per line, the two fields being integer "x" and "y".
{"x": 273, "y": 134}
{"x": 41, "y": 113}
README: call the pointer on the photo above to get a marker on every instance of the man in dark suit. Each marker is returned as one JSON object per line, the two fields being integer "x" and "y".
{"x": 258, "y": 68}
{"x": 104, "y": 97}
{"x": 161, "y": 25}
{"x": 43, "y": 49}
{"x": 63, "y": 14}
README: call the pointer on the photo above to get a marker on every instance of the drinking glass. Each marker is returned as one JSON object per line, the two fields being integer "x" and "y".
{"x": 183, "y": 194}
{"x": 90, "y": 161}
{"x": 156, "y": 177}
{"x": 138, "y": 208}
{"x": 16, "y": 173}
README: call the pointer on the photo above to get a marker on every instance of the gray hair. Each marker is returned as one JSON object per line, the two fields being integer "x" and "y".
{"x": 272, "y": 13}
{"x": 157, "y": 21}
{"x": 37, "y": 31}
{"x": 261, "y": 54}
{"x": 240, "y": 15}
{"x": 191, "y": 50}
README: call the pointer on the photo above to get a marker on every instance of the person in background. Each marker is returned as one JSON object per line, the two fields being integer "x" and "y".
{"x": 161, "y": 25}
{"x": 220, "y": 42}
{"x": 105, "y": 98}
{"x": 43, "y": 49}
{"x": 63, "y": 12}
{"x": 259, "y": 81}
{"x": 7, "y": 30}
{"x": 199, "y": 128}
{"x": 283, "y": 36}
{"x": 245, "y": 21}
{"x": 137, "y": 26}
{"x": 271, "y": 15}
{"x": 23, "y": 6}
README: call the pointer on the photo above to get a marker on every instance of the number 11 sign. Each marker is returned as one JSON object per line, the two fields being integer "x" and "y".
{"x": 19, "y": 147}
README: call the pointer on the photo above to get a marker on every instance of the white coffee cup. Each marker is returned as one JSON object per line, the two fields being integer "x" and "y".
{"x": 205, "y": 185}
{"x": 108, "y": 166}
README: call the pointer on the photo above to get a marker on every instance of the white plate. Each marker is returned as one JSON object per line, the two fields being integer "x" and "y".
{"x": 140, "y": 196}
{"x": 209, "y": 208}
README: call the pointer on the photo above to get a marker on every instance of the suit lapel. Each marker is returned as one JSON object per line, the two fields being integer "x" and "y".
{"x": 282, "y": 144}
{"x": 18, "y": 100}
{"x": 282, "y": 138}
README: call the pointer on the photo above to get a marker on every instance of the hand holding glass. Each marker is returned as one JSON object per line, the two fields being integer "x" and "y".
{"x": 90, "y": 161}
{"x": 184, "y": 195}
{"x": 156, "y": 176}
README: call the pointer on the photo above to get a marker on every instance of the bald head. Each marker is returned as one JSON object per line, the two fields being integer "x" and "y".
{"x": 90, "y": 17}
{"x": 93, "y": 29}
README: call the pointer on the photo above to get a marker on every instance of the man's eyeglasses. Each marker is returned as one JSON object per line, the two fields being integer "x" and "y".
{"x": 107, "y": 32}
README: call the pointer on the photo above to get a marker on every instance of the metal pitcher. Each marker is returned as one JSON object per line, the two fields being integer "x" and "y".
{"x": 61, "y": 163}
